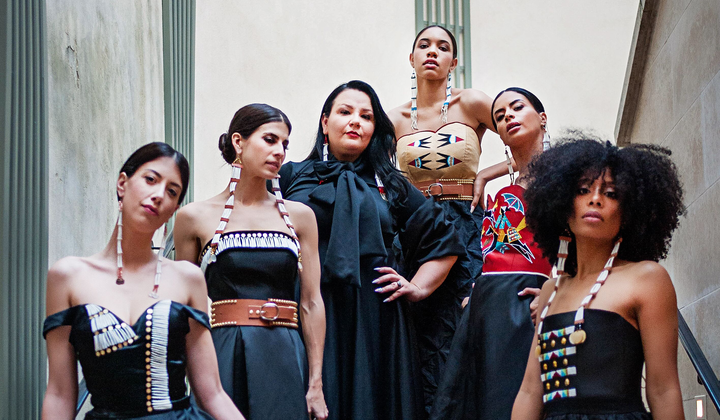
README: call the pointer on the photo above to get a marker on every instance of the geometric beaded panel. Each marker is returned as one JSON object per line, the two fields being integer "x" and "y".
{"x": 557, "y": 364}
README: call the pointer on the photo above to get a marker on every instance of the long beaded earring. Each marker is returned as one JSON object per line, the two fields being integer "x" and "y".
{"x": 119, "y": 279}
{"x": 413, "y": 100}
{"x": 286, "y": 216}
{"x": 325, "y": 149}
{"x": 446, "y": 104}
{"x": 562, "y": 253}
{"x": 508, "y": 161}
{"x": 546, "y": 138}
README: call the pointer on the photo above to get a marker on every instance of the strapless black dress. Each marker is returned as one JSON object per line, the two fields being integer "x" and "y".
{"x": 599, "y": 379}
{"x": 263, "y": 369}
{"x": 133, "y": 371}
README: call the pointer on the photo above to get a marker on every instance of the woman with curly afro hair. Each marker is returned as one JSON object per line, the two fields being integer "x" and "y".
{"x": 604, "y": 215}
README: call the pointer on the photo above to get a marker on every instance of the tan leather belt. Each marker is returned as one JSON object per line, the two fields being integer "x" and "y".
{"x": 447, "y": 189}
{"x": 254, "y": 312}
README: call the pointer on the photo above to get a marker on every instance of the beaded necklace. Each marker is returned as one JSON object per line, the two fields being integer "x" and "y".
{"x": 230, "y": 204}
{"x": 578, "y": 336}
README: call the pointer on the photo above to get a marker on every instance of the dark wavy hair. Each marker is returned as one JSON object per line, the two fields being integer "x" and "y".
{"x": 452, "y": 38}
{"x": 380, "y": 153}
{"x": 534, "y": 101}
{"x": 157, "y": 150}
{"x": 245, "y": 121}
{"x": 646, "y": 183}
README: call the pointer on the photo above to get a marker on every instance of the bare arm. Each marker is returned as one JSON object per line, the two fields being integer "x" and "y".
{"x": 528, "y": 402}
{"x": 62, "y": 387}
{"x": 202, "y": 364}
{"x": 484, "y": 176}
{"x": 312, "y": 308}
{"x": 429, "y": 277}
{"x": 658, "y": 324}
{"x": 187, "y": 246}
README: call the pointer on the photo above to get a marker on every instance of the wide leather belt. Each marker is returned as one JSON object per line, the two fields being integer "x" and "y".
{"x": 447, "y": 189}
{"x": 254, "y": 312}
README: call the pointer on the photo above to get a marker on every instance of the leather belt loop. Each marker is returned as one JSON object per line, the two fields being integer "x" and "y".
{"x": 254, "y": 312}
{"x": 447, "y": 189}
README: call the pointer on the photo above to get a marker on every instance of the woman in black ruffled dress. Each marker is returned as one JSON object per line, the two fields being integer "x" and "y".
{"x": 361, "y": 202}
{"x": 134, "y": 348}
{"x": 605, "y": 216}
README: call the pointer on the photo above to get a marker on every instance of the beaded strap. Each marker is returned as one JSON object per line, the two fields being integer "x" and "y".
{"x": 229, "y": 205}
{"x": 286, "y": 216}
{"x": 579, "y": 335}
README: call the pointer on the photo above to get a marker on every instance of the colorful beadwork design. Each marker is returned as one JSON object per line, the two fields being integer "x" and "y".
{"x": 448, "y": 139}
{"x": 557, "y": 365}
{"x": 447, "y": 161}
{"x": 422, "y": 143}
{"x": 109, "y": 334}
{"x": 503, "y": 226}
{"x": 565, "y": 393}
{"x": 420, "y": 162}
{"x": 157, "y": 329}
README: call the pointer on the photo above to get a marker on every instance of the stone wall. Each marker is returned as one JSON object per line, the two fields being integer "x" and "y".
{"x": 105, "y": 99}
{"x": 676, "y": 103}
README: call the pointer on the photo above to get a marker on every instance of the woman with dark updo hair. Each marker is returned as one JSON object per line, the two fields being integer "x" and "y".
{"x": 135, "y": 321}
{"x": 604, "y": 215}
{"x": 252, "y": 254}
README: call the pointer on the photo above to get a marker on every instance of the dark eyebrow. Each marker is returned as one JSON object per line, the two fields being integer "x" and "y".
{"x": 175, "y": 184}
{"x": 511, "y": 104}
{"x": 439, "y": 41}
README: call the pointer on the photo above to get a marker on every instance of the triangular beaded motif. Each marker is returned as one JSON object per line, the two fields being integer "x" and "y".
{"x": 109, "y": 334}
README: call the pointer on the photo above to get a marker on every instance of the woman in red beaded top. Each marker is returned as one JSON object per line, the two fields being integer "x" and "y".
{"x": 485, "y": 366}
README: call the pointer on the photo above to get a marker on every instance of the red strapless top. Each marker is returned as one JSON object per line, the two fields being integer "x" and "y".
{"x": 507, "y": 243}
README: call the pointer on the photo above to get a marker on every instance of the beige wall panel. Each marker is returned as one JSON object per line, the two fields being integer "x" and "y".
{"x": 668, "y": 15}
{"x": 572, "y": 55}
{"x": 695, "y": 251}
{"x": 702, "y": 317}
{"x": 695, "y": 48}
{"x": 105, "y": 98}
{"x": 291, "y": 55}
{"x": 653, "y": 118}
{"x": 691, "y": 388}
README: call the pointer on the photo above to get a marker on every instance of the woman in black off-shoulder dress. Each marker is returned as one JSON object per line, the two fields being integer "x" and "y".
{"x": 134, "y": 321}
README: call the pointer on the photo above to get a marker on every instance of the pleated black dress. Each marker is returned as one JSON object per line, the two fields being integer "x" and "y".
{"x": 262, "y": 369}
{"x": 490, "y": 348}
{"x": 119, "y": 360}
{"x": 370, "y": 368}
{"x": 599, "y": 379}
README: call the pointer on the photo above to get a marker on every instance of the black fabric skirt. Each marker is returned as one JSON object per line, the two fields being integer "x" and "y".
{"x": 263, "y": 370}
{"x": 489, "y": 351}
{"x": 436, "y": 318}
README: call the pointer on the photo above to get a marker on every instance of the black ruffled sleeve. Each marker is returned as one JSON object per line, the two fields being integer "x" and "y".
{"x": 201, "y": 317}
{"x": 425, "y": 232}
{"x": 58, "y": 319}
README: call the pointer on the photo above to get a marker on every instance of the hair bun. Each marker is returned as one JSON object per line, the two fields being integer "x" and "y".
{"x": 226, "y": 148}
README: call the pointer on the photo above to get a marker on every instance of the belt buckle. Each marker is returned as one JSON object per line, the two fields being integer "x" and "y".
{"x": 263, "y": 311}
{"x": 434, "y": 184}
